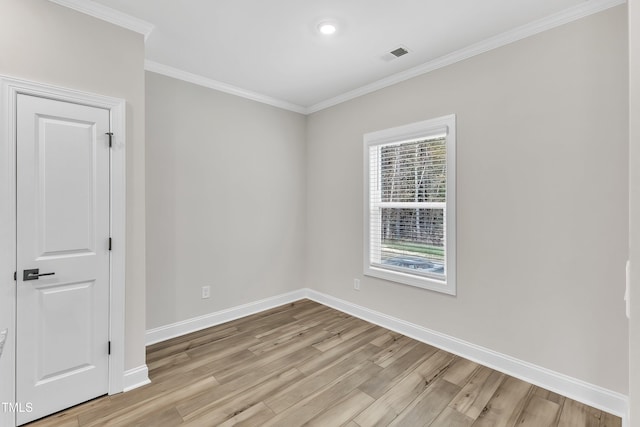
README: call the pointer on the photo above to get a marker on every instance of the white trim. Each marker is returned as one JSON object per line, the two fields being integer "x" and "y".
{"x": 7, "y": 248}
{"x": 108, "y": 14}
{"x": 136, "y": 377}
{"x": 9, "y": 89}
{"x": 581, "y": 391}
{"x": 118, "y": 250}
{"x": 116, "y": 17}
{"x": 220, "y": 86}
{"x": 568, "y": 15}
{"x": 177, "y": 329}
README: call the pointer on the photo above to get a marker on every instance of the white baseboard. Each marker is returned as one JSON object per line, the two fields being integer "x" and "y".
{"x": 581, "y": 391}
{"x": 136, "y": 377}
{"x": 177, "y": 329}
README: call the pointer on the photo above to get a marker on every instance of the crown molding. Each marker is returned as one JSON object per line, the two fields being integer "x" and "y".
{"x": 582, "y": 10}
{"x": 568, "y": 15}
{"x": 220, "y": 86}
{"x": 108, "y": 14}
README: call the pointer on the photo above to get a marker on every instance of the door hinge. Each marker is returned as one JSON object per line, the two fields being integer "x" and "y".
{"x": 15, "y": 275}
{"x": 110, "y": 138}
{"x": 109, "y": 348}
{"x": 109, "y": 243}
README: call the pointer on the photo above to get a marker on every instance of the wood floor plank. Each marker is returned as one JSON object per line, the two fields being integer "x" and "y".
{"x": 216, "y": 366}
{"x": 577, "y": 414}
{"x": 161, "y": 417}
{"x": 338, "y": 352}
{"x": 279, "y": 330}
{"x": 206, "y": 362}
{"x": 342, "y": 411}
{"x": 275, "y": 341}
{"x": 449, "y": 417}
{"x": 505, "y": 406}
{"x": 549, "y": 395}
{"x": 608, "y": 420}
{"x": 81, "y": 411}
{"x": 460, "y": 372}
{"x": 343, "y": 336}
{"x": 192, "y": 406}
{"x": 476, "y": 393}
{"x": 169, "y": 362}
{"x": 539, "y": 412}
{"x": 307, "y": 364}
{"x": 224, "y": 410}
{"x": 336, "y": 318}
{"x": 181, "y": 344}
{"x": 323, "y": 318}
{"x": 428, "y": 405}
{"x": 140, "y": 411}
{"x": 263, "y": 321}
{"x": 311, "y": 309}
{"x": 394, "y": 350}
{"x": 223, "y": 347}
{"x": 62, "y": 419}
{"x": 394, "y": 373}
{"x": 343, "y": 324}
{"x": 396, "y": 399}
{"x": 303, "y": 341}
{"x": 386, "y": 339}
{"x": 231, "y": 347}
{"x": 254, "y": 416}
{"x": 324, "y": 398}
{"x": 309, "y": 385}
{"x": 101, "y": 407}
{"x": 98, "y": 409}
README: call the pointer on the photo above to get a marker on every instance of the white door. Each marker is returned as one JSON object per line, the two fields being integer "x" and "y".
{"x": 63, "y": 238}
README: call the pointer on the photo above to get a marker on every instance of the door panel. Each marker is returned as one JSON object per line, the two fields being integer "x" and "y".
{"x": 76, "y": 301}
{"x": 66, "y": 172}
{"x": 62, "y": 228}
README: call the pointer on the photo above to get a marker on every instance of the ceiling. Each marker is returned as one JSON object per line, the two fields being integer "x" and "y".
{"x": 273, "y": 49}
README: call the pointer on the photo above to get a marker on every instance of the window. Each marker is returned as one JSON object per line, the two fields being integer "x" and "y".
{"x": 410, "y": 204}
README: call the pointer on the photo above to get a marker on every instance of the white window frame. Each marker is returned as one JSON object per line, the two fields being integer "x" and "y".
{"x": 407, "y": 133}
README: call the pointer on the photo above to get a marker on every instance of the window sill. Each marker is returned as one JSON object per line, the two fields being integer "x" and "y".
{"x": 432, "y": 284}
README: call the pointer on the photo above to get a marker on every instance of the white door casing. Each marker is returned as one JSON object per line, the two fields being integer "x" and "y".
{"x": 63, "y": 234}
{"x": 10, "y": 90}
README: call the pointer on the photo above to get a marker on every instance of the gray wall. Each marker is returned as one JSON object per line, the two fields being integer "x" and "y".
{"x": 542, "y": 199}
{"x": 542, "y": 187}
{"x": 48, "y": 43}
{"x": 634, "y": 193}
{"x": 226, "y": 188}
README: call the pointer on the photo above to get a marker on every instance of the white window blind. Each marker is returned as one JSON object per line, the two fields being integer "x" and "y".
{"x": 408, "y": 201}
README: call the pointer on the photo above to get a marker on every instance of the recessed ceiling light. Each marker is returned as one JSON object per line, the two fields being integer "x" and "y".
{"x": 327, "y": 28}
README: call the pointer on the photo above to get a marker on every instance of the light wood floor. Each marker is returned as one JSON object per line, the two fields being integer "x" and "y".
{"x": 308, "y": 364}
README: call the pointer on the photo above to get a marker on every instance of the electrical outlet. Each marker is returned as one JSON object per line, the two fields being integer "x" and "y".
{"x": 206, "y": 292}
{"x": 356, "y": 284}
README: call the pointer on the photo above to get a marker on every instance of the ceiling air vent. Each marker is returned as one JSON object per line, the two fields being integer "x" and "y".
{"x": 399, "y": 52}
{"x": 395, "y": 53}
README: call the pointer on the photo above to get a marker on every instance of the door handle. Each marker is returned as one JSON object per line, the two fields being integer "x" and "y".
{"x": 34, "y": 274}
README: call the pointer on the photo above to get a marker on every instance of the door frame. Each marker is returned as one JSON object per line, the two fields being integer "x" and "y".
{"x": 10, "y": 88}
